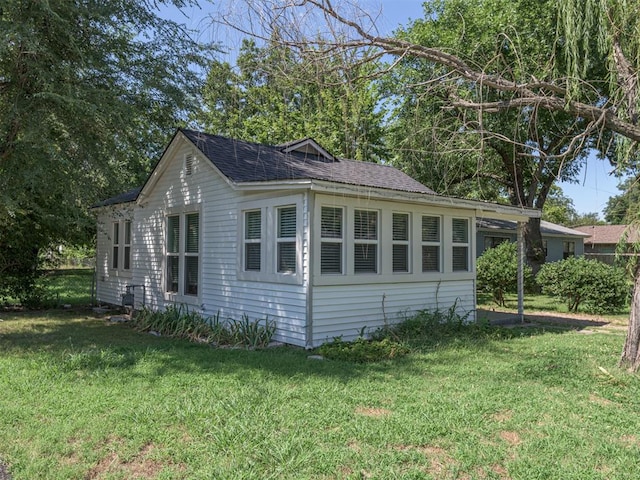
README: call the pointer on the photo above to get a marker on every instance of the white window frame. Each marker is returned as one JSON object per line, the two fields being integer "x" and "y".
{"x": 118, "y": 241}
{"x": 333, "y": 240}
{"x": 180, "y": 295}
{"x": 401, "y": 242}
{"x": 466, "y": 244}
{"x": 431, "y": 243}
{"x": 269, "y": 216}
{"x": 375, "y": 242}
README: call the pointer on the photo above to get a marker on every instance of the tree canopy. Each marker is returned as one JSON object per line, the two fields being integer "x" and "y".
{"x": 89, "y": 92}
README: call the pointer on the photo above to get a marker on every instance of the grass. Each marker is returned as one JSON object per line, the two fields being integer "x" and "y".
{"x": 541, "y": 303}
{"x": 86, "y": 399}
{"x": 70, "y": 286}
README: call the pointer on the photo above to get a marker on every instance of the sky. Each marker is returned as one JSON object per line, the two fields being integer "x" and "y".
{"x": 594, "y": 184}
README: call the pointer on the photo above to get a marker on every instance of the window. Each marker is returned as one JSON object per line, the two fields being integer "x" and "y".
{"x": 492, "y": 242}
{"x": 269, "y": 240}
{"x": 253, "y": 241}
{"x": 460, "y": 247}
{"x": 115, "y": 253}
{"x": 286, "y": 240}
{"x": 430, "y": 244}
{"x": 365, "y": 235}
{"x": 126, "y": 261}
{"x": 183, "y": 254}
{"x": 400, "y": 239}
{"x": 331, "y": 244}
{"x": 569, "y": 249}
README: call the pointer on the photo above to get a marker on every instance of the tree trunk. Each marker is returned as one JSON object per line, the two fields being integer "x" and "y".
{"x": 534, "y": 248}
{"x": 630, "y": 358}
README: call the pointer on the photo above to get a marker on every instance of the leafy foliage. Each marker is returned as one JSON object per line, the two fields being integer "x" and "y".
{"x": 497, "y": 271}
{"x": 89, "y": 92}
{"x": 590, "y": 284}
{"x": 362, "y": 350}
{"x": 178, "y": 321}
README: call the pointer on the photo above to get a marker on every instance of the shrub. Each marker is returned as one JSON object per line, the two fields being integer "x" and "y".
{"x": 597, "y": 287}
{"x": 497, "y": 271}
{"x": 362, "y": 350}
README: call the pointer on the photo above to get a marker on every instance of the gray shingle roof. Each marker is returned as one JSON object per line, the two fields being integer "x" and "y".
{"x": 546, "y": 228}
{"x": 128, "y": 196}
{"x": 245, "y": 162}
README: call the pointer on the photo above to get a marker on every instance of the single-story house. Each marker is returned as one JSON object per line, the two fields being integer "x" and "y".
{"x": 602, "y": 241}
{"x": 559, "y": 242}
{"x": 320, "y": 245}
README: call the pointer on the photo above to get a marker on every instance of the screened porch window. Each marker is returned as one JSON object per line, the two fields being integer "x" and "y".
{"x": 460, "y": 241}
{"x": 431, "y": 244}
{"x": 400, "y": 247}
{"x": 286, "y": 240}
{"x": 365, "y": 245}
{"x": 331, "y": 245}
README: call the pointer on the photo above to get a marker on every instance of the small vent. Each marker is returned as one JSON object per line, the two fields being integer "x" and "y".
{"x": 188, "y": 164}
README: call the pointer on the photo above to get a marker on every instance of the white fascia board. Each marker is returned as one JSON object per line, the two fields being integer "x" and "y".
{"x": 482, "y": 209}
{"x": 273, "y": 185}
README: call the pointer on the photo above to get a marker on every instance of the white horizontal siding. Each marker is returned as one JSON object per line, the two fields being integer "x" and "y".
{"x": 345, "y": 311}
{"x": 220, "y": 290}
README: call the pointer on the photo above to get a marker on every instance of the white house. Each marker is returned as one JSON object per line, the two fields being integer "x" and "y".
{"x": 321, "y": 245}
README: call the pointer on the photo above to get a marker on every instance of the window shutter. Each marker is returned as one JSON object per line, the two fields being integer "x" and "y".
{"x": 365, "y": 260}
{"x": 193, "y": 232}
{"x": 253, "y": 225}
{"x": 460, "y": 259}
{"x": 430, "y": 229}
{"x": 331, "y": 222}
{"x": 173, "y": 234}
{"x": 365, "y": 225}
{"x": 330, "y": 257}
{"x": 401, "y": 258}
{"x": 188, "y": 164}
{"x": 287, "y": 222}
{"x": 430, "y": 258}
{"x": 460, "y": 230}
{"x": 400, "y": 226}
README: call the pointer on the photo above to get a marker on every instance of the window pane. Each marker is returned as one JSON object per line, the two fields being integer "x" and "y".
{"x": 253, "y": 227}
{"x": 116, "y": 233}
{"x": 252, "y": 257}
{"x": 400, "y": 226}
{"x": 114, "y": 257}
{"x": 400, "y": 258}
{"x": 287, "y": 257}
{"x": 460, "y": 230}
{"x": 365, "y": 258}
{"x": 365, "y": 225}
{"x": 173, "y": 234}
{"x": 127, "y": 258}
{"x": 127, "y": 232}
{"x": 331, "y": 258}
{"x": 173, "y": 268}
{"x": 460, "y": 259}
{"x": 430, "y": 258}
{"x": 331, "y": 222}
{"x": 191, "y": 275}
{"x": 192, "y": 224}
{"x": 287, "y": 222}
{"x": 430, "y": 229}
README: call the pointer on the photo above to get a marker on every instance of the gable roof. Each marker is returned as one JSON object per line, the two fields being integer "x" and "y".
{"x": 126, "y": 197}
{"x": 546, "y": 228}
{"x": 246, "y": 162}
{"x": 607, "y": 234}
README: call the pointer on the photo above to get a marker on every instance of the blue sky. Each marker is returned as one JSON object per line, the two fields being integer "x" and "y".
{"x": 595, "y": 184}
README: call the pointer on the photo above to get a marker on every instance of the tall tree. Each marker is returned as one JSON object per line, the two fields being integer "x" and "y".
{"x": 519, "y": 152}
{"x": 624, "y": 209}
{"x": 276, "y": 94}
{"x": 88, "y": 93}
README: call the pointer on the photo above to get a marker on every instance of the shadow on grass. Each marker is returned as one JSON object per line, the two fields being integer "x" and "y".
{"x": 80, "y": 342}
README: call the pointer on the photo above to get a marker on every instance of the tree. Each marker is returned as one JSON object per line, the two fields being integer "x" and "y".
{"x": 89, "y": 92}
{"x": 588, "y": 32}
{"x": 279, "y": 95}
{"x": 624, "y": 208}
{"x": 519, "y": 153}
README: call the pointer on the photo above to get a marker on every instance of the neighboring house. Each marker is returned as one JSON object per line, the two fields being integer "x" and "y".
{"x": 320, "y": 245}
{"x": 602, "y": 241}
{"x": 559, "y": 242}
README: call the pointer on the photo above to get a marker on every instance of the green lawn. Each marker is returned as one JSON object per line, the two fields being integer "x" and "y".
{"x": 86, "y": 399}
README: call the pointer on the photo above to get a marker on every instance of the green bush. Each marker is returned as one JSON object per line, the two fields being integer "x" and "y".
{"x": 362, "y": 350}
{"x": 497, "y": 271}
{"x": 597, "y": 287}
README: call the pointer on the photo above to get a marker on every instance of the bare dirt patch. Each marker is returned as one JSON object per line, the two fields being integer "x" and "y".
{"x": 373, "y": 412}
{"x": 502, "y": 416}
{"x": 439, "y": 460}
{"x": 512, "y": 438}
